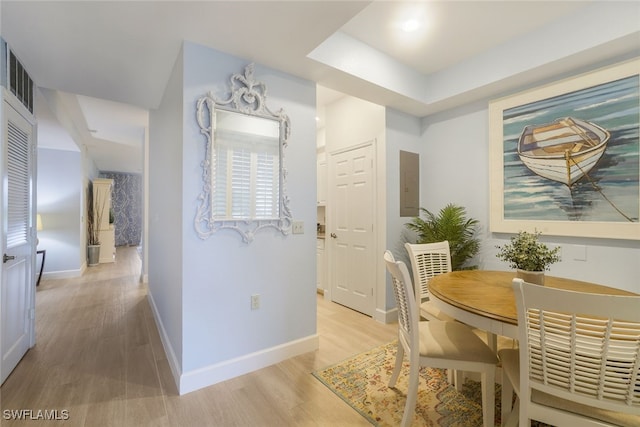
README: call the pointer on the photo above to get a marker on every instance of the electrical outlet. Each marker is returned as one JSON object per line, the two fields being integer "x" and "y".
{"x": 255, "y": 302}
{"x": 298, "y": 227}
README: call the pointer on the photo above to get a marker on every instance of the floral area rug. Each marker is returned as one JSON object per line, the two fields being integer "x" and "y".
{"x": 362, "y": 380}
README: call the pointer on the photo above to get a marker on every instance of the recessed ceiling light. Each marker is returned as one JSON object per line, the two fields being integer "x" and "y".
{"x": 410, "y": 25}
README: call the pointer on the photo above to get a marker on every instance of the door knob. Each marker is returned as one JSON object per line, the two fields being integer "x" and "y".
{"x": 6, "y": 258}
{"x": 333, "y": 236}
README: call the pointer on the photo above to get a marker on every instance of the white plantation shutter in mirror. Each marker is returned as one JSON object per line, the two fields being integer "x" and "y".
{"x": 240, "y": 183}
{"x": 219, "y": 207}
{"x": 247, "y": 179}
{"x": 18, "y": 185}
{"x": 267, "y": 181}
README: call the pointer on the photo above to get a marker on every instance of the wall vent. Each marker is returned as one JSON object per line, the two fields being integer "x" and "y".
{"x": 15, "y": 77}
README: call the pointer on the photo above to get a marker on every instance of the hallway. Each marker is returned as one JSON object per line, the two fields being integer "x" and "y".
{"x": 99, "y": 361}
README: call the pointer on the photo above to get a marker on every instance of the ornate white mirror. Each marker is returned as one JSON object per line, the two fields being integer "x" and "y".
{"x": 243, "y": 170}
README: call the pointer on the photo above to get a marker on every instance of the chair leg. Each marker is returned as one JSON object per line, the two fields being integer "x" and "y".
{"x": 524, "y": 417}
{"x": 455, "y": 377}
{"x": 459, "y": 379}
{"x": 488, "y": 378}
{"x": 412, "y": 396}
{"x": 492, "y": 341}
{"x": 513, "y": 419}
{"x": 398, "y": 366}
{"x": 507, "y": 399}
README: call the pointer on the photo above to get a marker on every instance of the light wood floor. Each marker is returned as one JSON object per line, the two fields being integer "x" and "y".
{"x": 98, "y": 356}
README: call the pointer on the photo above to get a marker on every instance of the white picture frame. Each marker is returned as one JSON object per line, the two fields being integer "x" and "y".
{"x": 521, "y": 199}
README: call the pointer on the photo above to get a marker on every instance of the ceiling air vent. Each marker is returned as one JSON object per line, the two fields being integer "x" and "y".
{"x": 15, "y": 78}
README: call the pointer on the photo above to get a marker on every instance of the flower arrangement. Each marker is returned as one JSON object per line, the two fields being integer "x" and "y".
{"x": 525, "y": 252}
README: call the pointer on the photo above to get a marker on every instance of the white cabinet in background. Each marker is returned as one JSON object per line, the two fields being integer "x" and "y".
{"x": 322, "y": 183}
{"x": 102, "y": 200}
{"x": 108, "y": 245}
{"x": 321, "y": 265}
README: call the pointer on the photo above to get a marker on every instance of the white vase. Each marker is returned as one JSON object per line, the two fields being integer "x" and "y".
{"x": 536, "y": 277}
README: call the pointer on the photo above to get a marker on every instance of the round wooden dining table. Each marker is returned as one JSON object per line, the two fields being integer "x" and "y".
{"x": 485, "y": 299}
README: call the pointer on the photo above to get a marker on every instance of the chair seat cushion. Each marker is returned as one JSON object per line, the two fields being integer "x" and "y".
{"x": 453, "y": 341}
{"x": 510, "y": 359}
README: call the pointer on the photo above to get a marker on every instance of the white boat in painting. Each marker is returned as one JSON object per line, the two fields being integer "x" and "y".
{"x": 564, "y": 150}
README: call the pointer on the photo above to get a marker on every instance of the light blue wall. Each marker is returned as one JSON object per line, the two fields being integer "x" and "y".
{"x": 165, "y": 216}
{"x": 201, "y": 289}
{"x": 221, "y": 273}
{"x": 403, "y": 134}
{"x": 60, "y": 205}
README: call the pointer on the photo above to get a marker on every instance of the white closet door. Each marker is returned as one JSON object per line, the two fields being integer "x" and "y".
{"x": 17, "y": 285}
{"x": 351, "y": 234}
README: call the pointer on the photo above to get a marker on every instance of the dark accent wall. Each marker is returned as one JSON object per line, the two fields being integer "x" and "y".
{"x": 126, "y": 201}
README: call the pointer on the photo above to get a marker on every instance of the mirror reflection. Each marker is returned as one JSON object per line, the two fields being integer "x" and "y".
{"x": 246, "y": 157}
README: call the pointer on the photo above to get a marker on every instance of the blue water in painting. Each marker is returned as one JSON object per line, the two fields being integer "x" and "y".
{"x": 614, "y": 106}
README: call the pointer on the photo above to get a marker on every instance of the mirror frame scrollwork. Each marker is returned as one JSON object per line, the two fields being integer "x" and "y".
{"x": 248, "y": 96}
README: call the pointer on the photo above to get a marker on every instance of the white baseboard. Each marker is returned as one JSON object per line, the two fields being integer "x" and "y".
{"x": 213, "y": 374}
{"x": 388, "y": 316}
{"x": 63, "y": 274}
{"x": 174, "y": 364}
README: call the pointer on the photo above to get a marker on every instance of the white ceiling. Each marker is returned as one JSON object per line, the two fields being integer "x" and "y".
{"x": 103, "y": 65}
{"x": 453, "y": 30}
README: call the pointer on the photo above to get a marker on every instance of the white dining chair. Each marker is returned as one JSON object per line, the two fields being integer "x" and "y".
{"x": 436, "y": 344}
{"x": 428, "y": 260}
{"x": 578, "y": 362}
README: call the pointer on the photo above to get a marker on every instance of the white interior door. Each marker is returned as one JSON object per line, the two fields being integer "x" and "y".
{"x": 351, "y": 231}
{"x": 17, "y": 286}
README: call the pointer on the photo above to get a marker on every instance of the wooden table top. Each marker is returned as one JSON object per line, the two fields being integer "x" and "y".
{"x": 489, "y": 293}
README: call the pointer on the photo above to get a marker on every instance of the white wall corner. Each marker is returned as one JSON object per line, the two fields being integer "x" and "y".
{"x": 213, "y": 374}
{"x": 83, "y": 265}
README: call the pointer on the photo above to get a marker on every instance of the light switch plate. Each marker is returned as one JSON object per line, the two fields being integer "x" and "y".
{"x": 298, "y": 227}
{"x": 255, "y": 301}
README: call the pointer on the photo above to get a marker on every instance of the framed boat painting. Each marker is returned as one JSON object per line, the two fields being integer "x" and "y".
{"x": 565, "y": 157}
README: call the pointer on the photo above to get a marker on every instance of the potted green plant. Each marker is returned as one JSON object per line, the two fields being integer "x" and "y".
{"x": 450, "y": 224}
{"x": 530, "y": 257}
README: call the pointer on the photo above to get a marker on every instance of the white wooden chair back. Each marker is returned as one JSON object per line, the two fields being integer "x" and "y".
{"x": 579, "y": 347}
{"x": 403, "y": 291}
{"x": 428, "y": 260}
